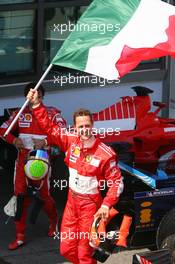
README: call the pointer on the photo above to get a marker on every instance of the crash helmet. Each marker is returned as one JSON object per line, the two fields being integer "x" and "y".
{"x": 37, "y": 164}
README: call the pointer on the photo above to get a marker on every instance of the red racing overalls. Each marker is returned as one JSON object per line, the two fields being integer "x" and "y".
{"x": 88, "y": 167}
{"x": 27, "y": 128}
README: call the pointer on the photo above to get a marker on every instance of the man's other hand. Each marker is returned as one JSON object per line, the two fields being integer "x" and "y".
{"x": 39, "y": 143}
{"x": 103, "y": 212}
{"x": 17, "y": 142}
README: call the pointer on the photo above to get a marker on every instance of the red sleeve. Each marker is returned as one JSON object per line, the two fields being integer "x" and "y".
{"x": 114, "y": 180}
{"x": 58, "y": 119}
{"x": 55, "y": 134}
{"x": 10, "y": 137}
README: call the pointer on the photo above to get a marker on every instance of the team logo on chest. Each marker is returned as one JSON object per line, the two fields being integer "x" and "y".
{"x": 75, "y": 154}
{"x": 28, "y": 118}
{"x": 25, "y": 120}
{"x": 88, "y": 158}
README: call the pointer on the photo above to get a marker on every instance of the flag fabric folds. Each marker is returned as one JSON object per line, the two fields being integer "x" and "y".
{"x": 113, "y": 36}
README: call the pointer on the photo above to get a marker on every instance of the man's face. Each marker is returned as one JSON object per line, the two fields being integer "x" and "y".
{"x": 40, "y": 97}
{"x": 84, "y": 127}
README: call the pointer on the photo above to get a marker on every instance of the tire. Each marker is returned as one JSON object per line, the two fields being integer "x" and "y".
{"x": 165, "y": 237}
{"x": 169, "y": 243}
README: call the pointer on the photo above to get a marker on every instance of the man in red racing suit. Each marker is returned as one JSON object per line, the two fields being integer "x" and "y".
{"x": 30, "y": 136}
{"x": 90, "y": 162}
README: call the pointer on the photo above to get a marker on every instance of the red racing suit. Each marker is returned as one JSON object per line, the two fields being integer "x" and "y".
{"x": 88, "y": 167}
{"x": 27, "y": 128}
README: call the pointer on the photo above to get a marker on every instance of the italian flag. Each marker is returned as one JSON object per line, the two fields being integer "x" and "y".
{"x": 113, "y": 36}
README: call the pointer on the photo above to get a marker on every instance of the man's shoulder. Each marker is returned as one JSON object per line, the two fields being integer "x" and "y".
{"x": 107, "y": 151}
{"x": 12, "y": 111}
{"x": 54, "y": 113}
{"x": 52, "y": 109}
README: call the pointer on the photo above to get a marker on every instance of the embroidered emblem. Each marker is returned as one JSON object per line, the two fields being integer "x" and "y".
{"x": 28, "y": 118}
{"x": 76, "y": 152}
{"x": 88, "y": 158}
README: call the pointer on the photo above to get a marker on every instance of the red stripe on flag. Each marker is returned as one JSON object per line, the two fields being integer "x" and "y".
{"x": 131, "y": 57}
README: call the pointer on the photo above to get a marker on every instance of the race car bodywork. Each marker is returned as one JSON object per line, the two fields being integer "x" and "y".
{"x": 145, "y": 144}
{"x": 148, "y": 138}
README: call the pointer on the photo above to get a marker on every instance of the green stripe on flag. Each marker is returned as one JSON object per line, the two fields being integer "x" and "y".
{"x": 74, "y": 51}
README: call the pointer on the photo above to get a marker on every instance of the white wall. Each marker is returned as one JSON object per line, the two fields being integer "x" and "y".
{"x": 94, "y": 99}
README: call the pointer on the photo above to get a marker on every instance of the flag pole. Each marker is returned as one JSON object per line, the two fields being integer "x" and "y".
{"x": 27, "y": 101}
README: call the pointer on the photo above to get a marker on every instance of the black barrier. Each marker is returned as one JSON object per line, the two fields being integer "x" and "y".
{"x": 3, "y": 261}
{"x": 153, "y": 257}
{"x": 8, "y": 153}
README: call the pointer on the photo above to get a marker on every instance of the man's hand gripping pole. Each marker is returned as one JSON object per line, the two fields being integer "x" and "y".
{"x": 26, "y": 103}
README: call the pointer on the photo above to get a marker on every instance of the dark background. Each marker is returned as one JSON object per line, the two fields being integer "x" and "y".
{"x": 40, "y": 249}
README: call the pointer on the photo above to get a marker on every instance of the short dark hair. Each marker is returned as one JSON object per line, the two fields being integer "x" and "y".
{"x": 82, "y": 112}
{"x": 32, "y": 85}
